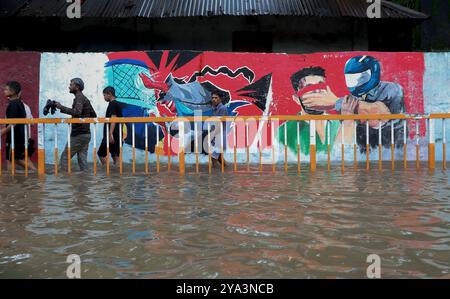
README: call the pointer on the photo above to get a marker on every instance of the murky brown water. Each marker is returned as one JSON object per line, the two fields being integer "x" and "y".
{"x": 243, "y": 225}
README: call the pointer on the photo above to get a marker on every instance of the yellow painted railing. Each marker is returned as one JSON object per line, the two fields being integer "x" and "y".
{"x": 245, "y": 119}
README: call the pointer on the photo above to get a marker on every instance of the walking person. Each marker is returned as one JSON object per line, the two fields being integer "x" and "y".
{"x": 81, "y": 133}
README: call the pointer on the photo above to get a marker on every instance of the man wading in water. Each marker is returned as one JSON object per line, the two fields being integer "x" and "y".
{"x": 81, "y": 133}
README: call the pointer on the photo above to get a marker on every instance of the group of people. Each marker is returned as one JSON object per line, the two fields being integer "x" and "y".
{"x": 80, "y": 134}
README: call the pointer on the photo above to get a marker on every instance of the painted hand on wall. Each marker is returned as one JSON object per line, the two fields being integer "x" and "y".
{"x": 324, "y": 100}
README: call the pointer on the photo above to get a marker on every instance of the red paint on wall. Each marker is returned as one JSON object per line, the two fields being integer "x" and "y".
{"x": 24, "y": 68}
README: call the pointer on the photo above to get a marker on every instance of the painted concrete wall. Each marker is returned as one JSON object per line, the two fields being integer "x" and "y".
{"x": 251, "y": 84}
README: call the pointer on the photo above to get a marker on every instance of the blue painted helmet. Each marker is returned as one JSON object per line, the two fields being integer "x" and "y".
{"x": 362, "y": 74}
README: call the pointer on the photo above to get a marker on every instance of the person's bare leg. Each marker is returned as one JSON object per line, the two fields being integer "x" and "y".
{"x": 31, "y": 165}
{"x": 21, "y": 163}
{"x": 116, "y": 160}
{"x": 103, "y": 160}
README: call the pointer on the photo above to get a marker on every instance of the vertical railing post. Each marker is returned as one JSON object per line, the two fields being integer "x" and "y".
{"x": 181, "y": 161}
{"x": 41, "y": 150}
{"x": 133, "y": 143}
{"x": 26, "y": 149}
{"x": 222, "y": 137}
{"x": 285, "y": 147}
{"x": 13, "y": 170}
{"x": 312, "y": 145}
{"x": 380, "y": 148}
{"x": 431, "y": 145}
{"x": 235, "y": 146}
{"x": 355, "y": 157}
{"x": 209, "y": 149}
{"x": 260, "y": 128}
{"x": 343, "y": 147}
{"x": 329, "y": 146}
{"x": 367, "y": 146}
{"x": 405, "y": 146}
{"x": 299, "y": 162}
{"x": 444, "y": 146}
{"x": 55, "y": 153}
{"x": 107, "y": 147}
{"x": 272, "y": 138}
{"x": 247, "y": 143}
{"x": 169, "y": 148}
{"x": 417, "y": 145}
{"x": 69, "y": 154}
{"x": 120, "y": 149}
{"x": 146, "y": 148}
{"x": 157, "y": 149}
{"x": 196, "y": 147}
{"x": 392, "y": 146}
{"x": 94, "y": 152}
{"x": 0, "y": 151}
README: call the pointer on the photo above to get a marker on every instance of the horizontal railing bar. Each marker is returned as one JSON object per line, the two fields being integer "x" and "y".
{"x": 223, "y": 118}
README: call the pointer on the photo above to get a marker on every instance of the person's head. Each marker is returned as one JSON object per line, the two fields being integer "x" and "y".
{"x": 216, "y": 98}
{"x": 362, "y": 74}
{"x": 76, "y": 85}
{"x": 109, "y": 94}
{"x": 304, "y": 82}
{"x": 12, "y": 89}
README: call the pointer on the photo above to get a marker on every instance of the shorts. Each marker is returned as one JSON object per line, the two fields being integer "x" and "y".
{"x": 114, "y": 149}
{"x": 19, "y": 152}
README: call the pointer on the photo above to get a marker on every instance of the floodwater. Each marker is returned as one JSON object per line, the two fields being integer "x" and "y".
{"x": 236, "y": 225}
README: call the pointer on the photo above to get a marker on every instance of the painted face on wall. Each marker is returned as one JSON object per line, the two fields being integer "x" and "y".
{"x": 309, "y": 85}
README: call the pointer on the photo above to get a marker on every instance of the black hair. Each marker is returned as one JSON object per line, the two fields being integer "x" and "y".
{"x": 14, "y": 85}
{"x": 110, "y": 90}
{"x": 217, "y": 93}
{"x": 310, "y": 71}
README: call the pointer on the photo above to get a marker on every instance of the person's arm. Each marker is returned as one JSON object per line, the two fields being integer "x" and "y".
{"x": 11, "y": 112}
{"x": 323, "y": 101}
{"x": 75, "y": 111}
{"x": 351, "y": 105}
{"x": 6, "y": 130}
{"x": 111, "y": 131}
{"x": 373, "y": 108}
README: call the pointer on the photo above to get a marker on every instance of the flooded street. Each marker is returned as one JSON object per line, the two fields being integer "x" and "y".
{"x": 243, "y": 225}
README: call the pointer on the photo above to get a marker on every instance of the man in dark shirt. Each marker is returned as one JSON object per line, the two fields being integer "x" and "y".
{"x": 114, "y": 110}
{"x": 15, "y": 109}
{"x": 81, "y": 133}
{"x": 218, "y": 109}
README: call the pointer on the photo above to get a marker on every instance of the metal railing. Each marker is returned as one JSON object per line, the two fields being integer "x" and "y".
{"x": 246, "y": 120}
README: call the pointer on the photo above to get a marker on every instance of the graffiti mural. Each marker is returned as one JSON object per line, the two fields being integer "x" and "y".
{"x": 179, "y": 83}
{"x": 353, "y": 83}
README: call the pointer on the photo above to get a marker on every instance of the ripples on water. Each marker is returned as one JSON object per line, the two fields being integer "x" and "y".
{"x": 243, "y": 225}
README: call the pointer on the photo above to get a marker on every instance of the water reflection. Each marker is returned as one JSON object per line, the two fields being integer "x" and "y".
{"x": 227, "y": 226}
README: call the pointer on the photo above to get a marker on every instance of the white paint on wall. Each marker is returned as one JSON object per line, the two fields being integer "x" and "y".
{"x": 56, "y": 70}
